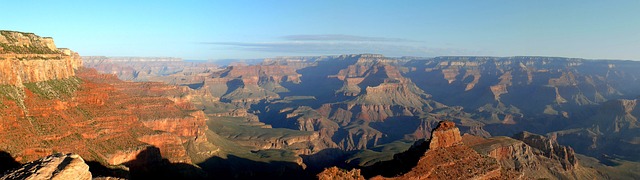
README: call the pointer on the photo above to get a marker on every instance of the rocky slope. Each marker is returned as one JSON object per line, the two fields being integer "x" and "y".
{"x": 336, "y": 173}
{"x": 57, "y": 166}
{"x": 102, "y": 119}
{"x": 28, "y": 58}
{"x": 448, "y": 155}
{"x": 607, "y": 130}
{"x": 246, "y": 85}
{"x": 534, "y": 156}
{"x": 449, "y": 158}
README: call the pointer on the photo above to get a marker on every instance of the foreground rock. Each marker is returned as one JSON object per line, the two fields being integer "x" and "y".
{"x": 57, "y": 166}
{"x": 337, "y": 173}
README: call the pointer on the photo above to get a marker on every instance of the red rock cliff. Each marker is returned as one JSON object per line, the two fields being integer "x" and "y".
{"x": 26, "y": 58}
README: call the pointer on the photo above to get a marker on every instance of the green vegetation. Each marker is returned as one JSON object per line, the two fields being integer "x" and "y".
{"x": 7, "y": 34}
{"x": 239, "y": 128}
{"x": 379, "y": 153}
{"x": 6, "y": 48}
{"x": 225, "y": 132}
{"x": 58, "y": 88}
{"x": 11, "y": 93}
{"x": 620, "y": 169}
{"x": 232, "y": 148}
{"x": 36, "y": 46}
{"x": 85, "y": 113}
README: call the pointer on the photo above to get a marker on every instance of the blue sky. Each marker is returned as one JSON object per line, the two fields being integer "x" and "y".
{"x": 256, "y": 29}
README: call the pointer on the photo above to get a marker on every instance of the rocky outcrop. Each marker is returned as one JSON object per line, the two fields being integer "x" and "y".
{"x": 28, "y": 58}
{"x": 22, "y": 43}
{"x": 531, "y": 158}
{"x": 246, "y": 85}
{"x": 445, "y": 135}
{"x": 55, "y": 167}
{"x": 563, "y": 154}
{"x": 618, "y": 115}
{"x": 337, "y": 173}
{"x": 449, "y": 158}
{"x": 610, "y": 125}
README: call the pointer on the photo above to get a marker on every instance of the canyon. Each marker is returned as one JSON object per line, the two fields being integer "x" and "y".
{"x": 346, "y": 116}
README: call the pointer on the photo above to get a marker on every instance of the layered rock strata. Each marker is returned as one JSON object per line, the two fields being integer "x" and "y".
{"x": 28, "y": 58}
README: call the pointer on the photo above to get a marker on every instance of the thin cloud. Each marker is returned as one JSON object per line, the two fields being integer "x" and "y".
{"x": 321, "y": 47}
{"x": 342, "y": 37}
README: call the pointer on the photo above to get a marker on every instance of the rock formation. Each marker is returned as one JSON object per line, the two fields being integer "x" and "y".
{"x": 337, "y": 173}
{"x": 610, "y": 128}
{"x": 28, "y": 58}
{"x": 449, "y": 158}
{"x": 551, "y": 149}
{"x": 445, "y": 135}
{"x": 55, "y": 167}
{"x": 104, "y": 120}
{"x": 246, "y": 85}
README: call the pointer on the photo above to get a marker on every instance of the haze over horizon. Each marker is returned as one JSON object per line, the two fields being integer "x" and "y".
{"x": 247, "y": 29}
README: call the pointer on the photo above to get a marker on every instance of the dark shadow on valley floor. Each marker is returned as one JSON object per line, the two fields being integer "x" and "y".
{"x": 326, "y": 158}
{"x": 234, "y": 167}
{"x": 149, "y": 164}
{"x": 97, "y": 169}
{"x": 400, "y": 164}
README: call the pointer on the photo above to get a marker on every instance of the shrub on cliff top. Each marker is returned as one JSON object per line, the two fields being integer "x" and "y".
{"x": 6, "y": 48}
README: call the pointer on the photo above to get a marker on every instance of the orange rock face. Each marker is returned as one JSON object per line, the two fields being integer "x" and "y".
{"x": 449, "y": 158}
{"x": 32, "y": 58}
{"x": 336, "y": 173}
{"x": 445, "y": 135}
{"x": 455, "y": 162}
{"x": 104, "y": 119}
{"x": 276, "y": 73}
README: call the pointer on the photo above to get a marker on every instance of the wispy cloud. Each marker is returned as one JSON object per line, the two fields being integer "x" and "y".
{"x": 321, "y": 47}
{"x": 342, "y": 37}
{"x": 322, "y": 44}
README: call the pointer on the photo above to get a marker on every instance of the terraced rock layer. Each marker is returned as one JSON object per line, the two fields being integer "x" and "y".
{"x": 100, "y": 118}
{"x": 28, "y": 58}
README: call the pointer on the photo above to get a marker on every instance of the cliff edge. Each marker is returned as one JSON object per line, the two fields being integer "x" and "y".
{"x": 28, "y": 58}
